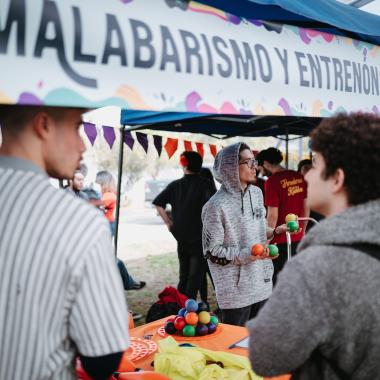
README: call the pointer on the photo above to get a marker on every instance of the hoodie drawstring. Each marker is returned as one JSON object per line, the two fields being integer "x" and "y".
{"x": 250, "y": 200}
{"x": 242, "y": 202}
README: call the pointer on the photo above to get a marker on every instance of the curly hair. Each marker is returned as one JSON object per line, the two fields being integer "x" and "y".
{"x": 351, "y": 143}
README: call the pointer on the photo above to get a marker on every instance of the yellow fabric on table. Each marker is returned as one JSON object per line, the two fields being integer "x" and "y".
{"x": 190, "y": 363}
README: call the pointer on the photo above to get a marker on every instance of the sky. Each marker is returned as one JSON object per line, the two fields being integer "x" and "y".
{"x": 373, "y": 7}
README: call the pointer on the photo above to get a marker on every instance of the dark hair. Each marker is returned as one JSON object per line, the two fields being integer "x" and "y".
{"x": 303, "y": 163}
{"x": 243, "y": 146}
{"x": 13, "y": 118}
{"x": 194, "y": 160}
{"x": 272, "y": 155}
{"x": 351, "y": 143}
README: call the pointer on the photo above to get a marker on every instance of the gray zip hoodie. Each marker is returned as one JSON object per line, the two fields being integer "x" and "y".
{"x": 326, "y": 304}
{"x": 233, "y": 221}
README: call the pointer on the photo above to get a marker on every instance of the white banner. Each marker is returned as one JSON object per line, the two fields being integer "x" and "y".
{"x": 173, "y": 56}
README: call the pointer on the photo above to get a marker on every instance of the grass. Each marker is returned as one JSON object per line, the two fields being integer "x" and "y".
{"x": 158, "y": 272}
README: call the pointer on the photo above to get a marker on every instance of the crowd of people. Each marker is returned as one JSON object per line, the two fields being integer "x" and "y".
{"x": 62, "y": 290}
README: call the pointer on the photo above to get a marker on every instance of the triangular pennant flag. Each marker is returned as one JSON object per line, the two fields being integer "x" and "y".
{"x": 188, "y": 146}
{"x": 128, "y": 139}
{"x": 213, "y": 150}
{"x": 200, "y": 149}
{"x": 90, "y": 131}
{"x": 109, "y": 135}
{"x": 171, "y": 146}
{"x": 142, "y": 138}
{"x": 157, "y": 141}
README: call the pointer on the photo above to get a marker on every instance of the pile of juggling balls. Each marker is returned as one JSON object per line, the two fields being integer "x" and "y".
{"x": 192, "y": 320}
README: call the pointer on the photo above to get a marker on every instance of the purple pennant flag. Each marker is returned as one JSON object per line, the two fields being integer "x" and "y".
{"x": 142, "y": 138}
{"x": 109, "y": 135}
{"x": 157, "y": 140}
{"x": 90, "y": 131}
{"x": 128, "y": 139}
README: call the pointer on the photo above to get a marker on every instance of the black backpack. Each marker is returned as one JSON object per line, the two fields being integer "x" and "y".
{"x": 161, "y": 310}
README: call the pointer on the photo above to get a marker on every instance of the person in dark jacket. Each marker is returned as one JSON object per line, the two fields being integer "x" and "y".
{"x": 322, "y": 320}
{"x": 187, "y": 196}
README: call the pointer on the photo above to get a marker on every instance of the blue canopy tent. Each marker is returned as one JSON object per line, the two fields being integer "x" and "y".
{"x": 220, "y": 125}
{"x": 216, "y": 67}
{"x": 328, "y": 16}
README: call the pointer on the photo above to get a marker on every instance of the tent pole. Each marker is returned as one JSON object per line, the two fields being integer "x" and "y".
{"x": 300, "y": 149}
{"x": 287, "y": 149}
{"x": 119, "y": 176}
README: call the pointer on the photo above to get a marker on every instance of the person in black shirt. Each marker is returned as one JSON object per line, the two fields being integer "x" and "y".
{"x": 187, "y": 196}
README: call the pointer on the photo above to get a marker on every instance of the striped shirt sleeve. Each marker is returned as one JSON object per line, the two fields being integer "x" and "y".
{"x": 99, "y": 317}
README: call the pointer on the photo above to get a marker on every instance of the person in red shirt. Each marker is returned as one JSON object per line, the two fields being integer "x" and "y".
{"x": 285, "y": 193}
{"x": 108, "y": 186}
{"x": 108, "y": 204}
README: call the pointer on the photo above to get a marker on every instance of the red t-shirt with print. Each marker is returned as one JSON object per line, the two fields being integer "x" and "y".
{"x": 286, "y": 190}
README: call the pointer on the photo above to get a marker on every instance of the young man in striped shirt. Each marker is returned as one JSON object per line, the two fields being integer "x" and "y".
{"x": 60, "y": 290}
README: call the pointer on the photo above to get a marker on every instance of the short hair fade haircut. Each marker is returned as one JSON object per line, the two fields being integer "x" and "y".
{"x": 194, "y": 160}
{"x": 14, "y": 117}
{"x": 351, "y": 143}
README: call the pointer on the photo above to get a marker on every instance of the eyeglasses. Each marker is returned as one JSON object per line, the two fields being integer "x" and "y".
{"x": 251, "y": 163}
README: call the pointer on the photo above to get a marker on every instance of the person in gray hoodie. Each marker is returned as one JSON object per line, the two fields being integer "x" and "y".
{"x": 233, "y": 221}
{"x": 323, "y": 318}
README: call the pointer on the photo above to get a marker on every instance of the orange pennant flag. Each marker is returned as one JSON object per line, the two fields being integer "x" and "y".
{"x": 213, "y": 150}
{"x": 200, "y": 149}
{"x": 188, "y": 146}
{"x": 171, "y": 146}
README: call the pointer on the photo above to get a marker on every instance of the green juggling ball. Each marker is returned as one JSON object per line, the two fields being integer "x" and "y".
{"x": 188, "y": 330}
{"x": 292, "y": 226}
{"x": 273, "y": 250}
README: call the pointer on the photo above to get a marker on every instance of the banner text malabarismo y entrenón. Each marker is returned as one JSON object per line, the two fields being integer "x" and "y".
{"x": 156, "y": 55}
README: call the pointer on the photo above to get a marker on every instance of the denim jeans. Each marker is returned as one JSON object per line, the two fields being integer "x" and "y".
{"x": 127, "y": 279}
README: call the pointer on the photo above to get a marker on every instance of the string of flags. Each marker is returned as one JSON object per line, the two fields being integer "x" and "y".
{"x": 171, "y": 145}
